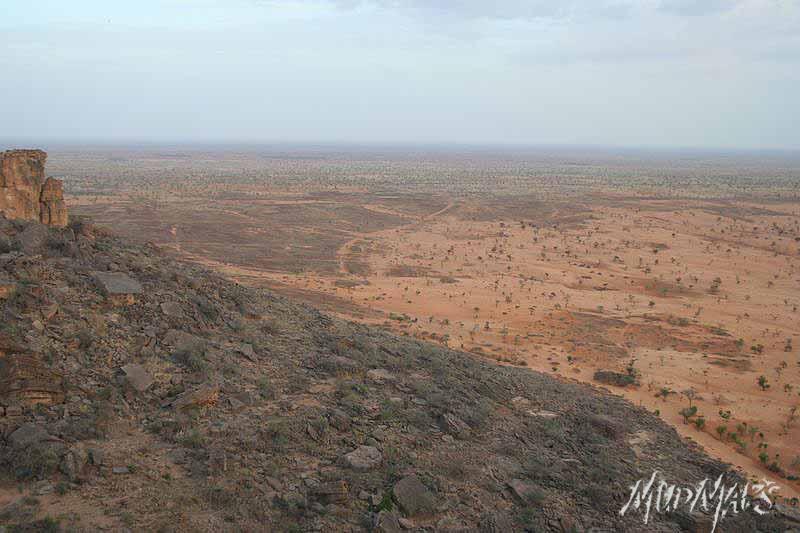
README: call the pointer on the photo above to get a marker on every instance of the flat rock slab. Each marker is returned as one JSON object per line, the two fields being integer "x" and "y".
{"x": 116, "y": 283}
{"x": 137, "y": 377}
{"x": 363, "y": 458}
{"x": 412, "y": 496}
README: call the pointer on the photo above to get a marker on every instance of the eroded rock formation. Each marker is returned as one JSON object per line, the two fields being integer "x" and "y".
{"x": 25, "y": 193}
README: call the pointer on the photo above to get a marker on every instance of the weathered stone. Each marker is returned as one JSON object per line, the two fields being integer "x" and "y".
{"x": 97, "y": 456}
{"x": 247, "y": 350}
{"x": 178, "y": 338}
{"x": 380, "y": 375}
{"x": 172, "y": 309}
{"x": 363, "y": 458}
{"x": 28, "y": 435}
{"x": 792, "y": 514}
{"x": 274, "y": 483}
{"x": 137, "y": 377}
{"x": 25, "y": 194}
{"x": 7, "y": 288}
{"x": 32, "y": 239}
{"x": 316, "y": 429}
{"x": 244, "y": 397}
{"x": 21, "y": 180}
{"x": 520, "y": 403}
{"x": 406, "y": 523}
{"x": 52, "y": 209}
{"x": 333, "y": 492}
{"x": 43, "y": 487}
{"x": 387, "y": 522}
{"x": 73, "y": 461}
{"x": 117, "y": 284}
{"x": 607, "y": 426}
{"x": 5, "y": 242}
{"x": 455, "y": 426}
{"x": 496, "y": 523}
{"x": 24, "y": 378}
{"x": 339, "y": 419}
{"x": 201, "y": 397}
{"x": 412, "y": 496}
{"x": 524, "y": 492}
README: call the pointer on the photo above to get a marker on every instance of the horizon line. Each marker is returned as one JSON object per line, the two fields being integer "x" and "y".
{"x": 31, "y": 142}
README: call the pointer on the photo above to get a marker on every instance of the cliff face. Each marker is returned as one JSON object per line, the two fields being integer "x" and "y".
{"x": 24, "y": 191}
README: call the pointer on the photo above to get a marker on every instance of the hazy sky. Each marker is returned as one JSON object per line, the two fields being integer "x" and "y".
{"x": 706, "y": 73}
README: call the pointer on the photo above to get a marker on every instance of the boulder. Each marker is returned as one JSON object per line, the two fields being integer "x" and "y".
{"x": 247, "y": 351}
{"x": 523, "y": 492}
{"x": 28, "y": 435}
{"x": 32, "y": 239}
{"x": 73, "y": 462}
{"x": 339, "y": 419}
{"x": 412, "y": 496}
{"x": 137, "y": 377}
{"x": 172, "y": 309}
{"x": 363, "y": 458}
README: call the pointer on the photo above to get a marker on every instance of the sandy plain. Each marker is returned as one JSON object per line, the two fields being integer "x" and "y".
{"x": 695, "y": 296}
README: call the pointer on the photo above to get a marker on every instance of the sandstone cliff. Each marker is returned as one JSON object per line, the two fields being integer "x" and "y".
{"x": 24, "y": 191}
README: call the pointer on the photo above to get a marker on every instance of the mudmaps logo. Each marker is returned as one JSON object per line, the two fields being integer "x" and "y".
{"x": 657, "y": 496}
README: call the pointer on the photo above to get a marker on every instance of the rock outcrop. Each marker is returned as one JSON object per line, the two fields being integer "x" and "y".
{"x": 25, "y": 193}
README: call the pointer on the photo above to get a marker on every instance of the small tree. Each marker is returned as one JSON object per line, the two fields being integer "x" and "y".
{"x": 763, "y": 383}
{"x": 721, "y": 430}
{"x": 690, "y": 394}
{"x": 687, "y": 413}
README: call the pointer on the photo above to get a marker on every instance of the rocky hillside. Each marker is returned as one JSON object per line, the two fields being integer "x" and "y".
{"x": 139, "y": 393}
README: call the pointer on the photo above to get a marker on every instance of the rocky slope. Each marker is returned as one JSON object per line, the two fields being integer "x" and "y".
{"x": 140, "y": 393}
